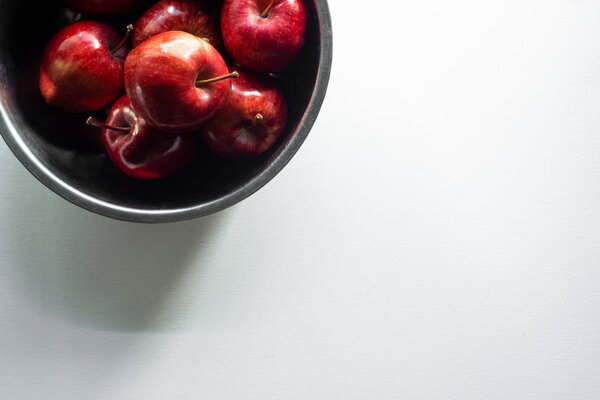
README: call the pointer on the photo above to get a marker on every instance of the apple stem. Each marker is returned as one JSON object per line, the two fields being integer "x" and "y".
{"x": 265, "y": 13}
{"x": 233, "y": 74}
{"x": 256, "y": 120}
{"x": 127, "y": 34}
{"x": 91, "y": 121}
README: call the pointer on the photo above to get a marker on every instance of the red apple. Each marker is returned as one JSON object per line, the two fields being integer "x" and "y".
{"x": 189, "y": 16}
{"x": 140, "y": 150}
{"x": 103, "y": 7}
{"x": 176, "y": 81}
{"x": 251, "y": 120}
{"x": 82, "y": 67}
{"x": 264, "y": 35}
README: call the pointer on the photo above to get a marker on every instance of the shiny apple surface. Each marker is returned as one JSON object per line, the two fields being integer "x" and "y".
{"x": 264, "y": 35}
{"x": 251, "y": 120}
{"x": 144, "y": 152}
{"x": 78, "y": 70}
{"x": 191, "y": 16}
{"x": 161, "y": 78}
{"x": 87, "y": 177}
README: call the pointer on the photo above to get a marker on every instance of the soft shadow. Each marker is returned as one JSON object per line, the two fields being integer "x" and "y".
{"x": 94, "y": 271}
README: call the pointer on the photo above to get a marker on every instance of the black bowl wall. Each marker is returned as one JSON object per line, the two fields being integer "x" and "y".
{"x": 68, "y": 157}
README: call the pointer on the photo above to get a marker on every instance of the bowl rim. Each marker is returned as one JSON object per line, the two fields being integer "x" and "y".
{"x": 131, "y": 214}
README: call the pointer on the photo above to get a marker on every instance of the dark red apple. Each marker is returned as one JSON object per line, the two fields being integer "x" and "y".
{"x": 251, "y": 120}
{"x": 189, "y": 16}
{"x": 264, "y": 35}
{"x": 176, "y": 81}
{"x": 103, "y": 7}
{"x": 82, "y": 67}
{"x": 140, "y": 150}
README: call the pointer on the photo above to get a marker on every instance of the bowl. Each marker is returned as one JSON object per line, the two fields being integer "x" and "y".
{"x": 64, "y": 155}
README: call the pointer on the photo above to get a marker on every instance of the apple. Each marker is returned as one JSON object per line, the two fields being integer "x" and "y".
{"x": 140, "y": 150}
{"x": 176, "y": 81}
{"x": 251, "y": 120}
{"x": 189, "y": 16}
{"x": 103, "y": 7}
{"x": 264, "y": 35}
{"x": 83, "y": 67}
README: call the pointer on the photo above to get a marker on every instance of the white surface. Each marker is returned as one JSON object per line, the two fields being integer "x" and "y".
{"x": 437, "y": 237}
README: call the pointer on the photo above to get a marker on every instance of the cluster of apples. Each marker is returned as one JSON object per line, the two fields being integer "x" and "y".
{"x": 172, "y": 83}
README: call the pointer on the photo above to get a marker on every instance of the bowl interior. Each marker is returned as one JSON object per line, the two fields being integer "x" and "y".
{"x": 73, "y": 152}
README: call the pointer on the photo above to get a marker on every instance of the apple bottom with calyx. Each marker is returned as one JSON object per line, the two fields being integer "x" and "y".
{"x": 140, "y": 150}
{"x": 251, "y": 120}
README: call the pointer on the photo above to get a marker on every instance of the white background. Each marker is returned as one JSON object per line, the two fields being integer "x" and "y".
{"x": 437, "y": 236}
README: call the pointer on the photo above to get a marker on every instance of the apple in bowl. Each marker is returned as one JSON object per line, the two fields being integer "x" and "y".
{"x": 251, "y": 120}
{"x": 191, "y": 16}
{"x": 264, "y": 35}
{"x": 210, "y": 184}
{"x": 177, "y": 81}
{"x": 82, "y": 67}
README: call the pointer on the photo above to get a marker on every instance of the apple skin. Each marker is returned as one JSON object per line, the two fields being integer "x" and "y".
{"x": 160, "y": 79}
{"x": 78, "y": 71}
{"x": 144, "y": 152}
{"x": 235, "y": 133}
{"x": 268, "y": 44}
{"x": 103, "y": 7}
{"x": 189, "y": 16}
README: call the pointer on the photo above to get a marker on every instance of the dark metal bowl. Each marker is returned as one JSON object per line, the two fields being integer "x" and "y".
{"x": 66, "y": 156}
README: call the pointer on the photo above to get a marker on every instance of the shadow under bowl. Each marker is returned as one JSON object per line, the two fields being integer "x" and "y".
{"x": 66, "y": 156}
